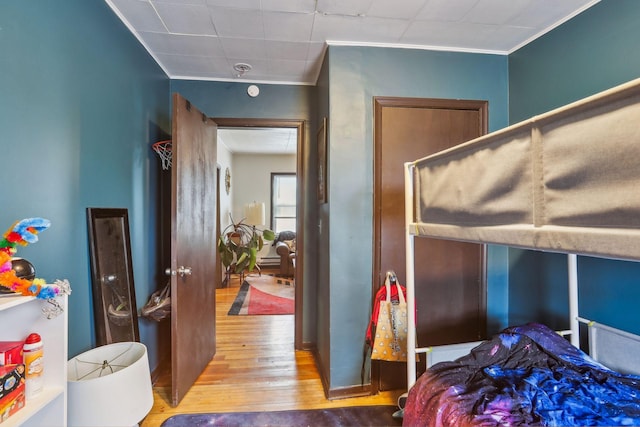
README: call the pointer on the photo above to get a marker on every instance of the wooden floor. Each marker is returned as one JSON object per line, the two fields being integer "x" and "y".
{"x": 255, "y": 369}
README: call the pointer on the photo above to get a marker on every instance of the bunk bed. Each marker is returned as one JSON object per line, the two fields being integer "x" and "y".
{"x": 564, "y": 181}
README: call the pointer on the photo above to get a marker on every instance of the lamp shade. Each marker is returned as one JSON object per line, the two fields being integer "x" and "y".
{"x": 109, "y": 386}
{"x": 254, "y": 213}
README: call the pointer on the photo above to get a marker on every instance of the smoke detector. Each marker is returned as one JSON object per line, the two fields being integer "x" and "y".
{"x": 241, "y": 69}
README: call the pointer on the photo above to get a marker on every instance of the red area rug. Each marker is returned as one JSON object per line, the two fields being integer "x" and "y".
{"x": 264, "y": 295}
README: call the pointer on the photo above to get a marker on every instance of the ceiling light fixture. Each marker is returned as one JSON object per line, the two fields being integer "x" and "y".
{"x": 241, "y": 69}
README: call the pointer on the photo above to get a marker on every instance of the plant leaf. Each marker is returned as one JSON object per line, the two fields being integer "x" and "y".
{"x": 242, "y": 257}
{"x": 268, "y": 234}
{"x": 252, "y": 258}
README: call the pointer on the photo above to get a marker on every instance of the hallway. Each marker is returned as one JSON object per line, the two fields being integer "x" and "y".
{"x": 254, "y": 369}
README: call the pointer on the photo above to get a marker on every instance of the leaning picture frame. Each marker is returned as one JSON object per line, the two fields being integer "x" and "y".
{"x": 114, "y": 301}
{"x": 322, "y": 161}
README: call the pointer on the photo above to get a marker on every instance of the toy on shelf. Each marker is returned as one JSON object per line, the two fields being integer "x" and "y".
{"x": 22, "y": 233}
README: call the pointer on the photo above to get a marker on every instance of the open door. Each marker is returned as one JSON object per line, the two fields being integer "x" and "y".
{"x": 193, "y": 245}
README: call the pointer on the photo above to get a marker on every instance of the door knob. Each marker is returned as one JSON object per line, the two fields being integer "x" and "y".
{"x": 182, "y": 271}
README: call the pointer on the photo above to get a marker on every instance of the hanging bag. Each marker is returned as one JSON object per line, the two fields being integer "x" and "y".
{"x": 390, "y": 338}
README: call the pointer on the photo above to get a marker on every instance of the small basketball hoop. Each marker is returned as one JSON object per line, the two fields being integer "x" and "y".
{"x": 163, "y": 148}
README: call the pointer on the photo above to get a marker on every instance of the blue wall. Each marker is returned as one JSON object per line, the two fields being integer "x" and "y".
{"x": 356, "y": 75}
{"x": 323, "y": 325}
{"x": 80, "y": 103}
{"x": 230, "y": 99}
{"x": 596, "y": 50}
{"x": 497, "y": 288}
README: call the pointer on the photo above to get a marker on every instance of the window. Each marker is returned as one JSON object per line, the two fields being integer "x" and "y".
{"x": 283, "y": 202}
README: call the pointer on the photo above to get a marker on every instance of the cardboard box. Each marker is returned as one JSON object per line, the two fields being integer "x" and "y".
{"x": 12, "y": 390}
{"x": 11, "y": 352}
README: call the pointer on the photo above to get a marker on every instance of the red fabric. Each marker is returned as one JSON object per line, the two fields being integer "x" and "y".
{"x": 265, "y": 303}
{"x": 381, "y": 295}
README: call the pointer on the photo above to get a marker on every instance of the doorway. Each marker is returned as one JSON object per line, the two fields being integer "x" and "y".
{"x": 298, "y": 142}
{"x": 450, "y": 276}
{"x": 190, "y": 120}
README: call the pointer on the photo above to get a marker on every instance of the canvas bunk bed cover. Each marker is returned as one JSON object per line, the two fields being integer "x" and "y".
{"x": 565, "y": 181}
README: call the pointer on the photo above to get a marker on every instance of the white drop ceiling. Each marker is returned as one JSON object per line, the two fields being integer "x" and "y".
{"x": 284, "y": 40}
{"x": 259, "y": 140}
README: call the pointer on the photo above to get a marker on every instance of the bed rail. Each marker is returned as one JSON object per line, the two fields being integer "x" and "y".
{"x": 410, "y": 274}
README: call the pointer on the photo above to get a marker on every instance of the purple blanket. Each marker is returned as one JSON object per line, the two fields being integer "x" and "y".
{"x": 526, "y": 375}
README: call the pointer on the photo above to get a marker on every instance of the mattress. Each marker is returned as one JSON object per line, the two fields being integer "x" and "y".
{"x": 526, "y": 375}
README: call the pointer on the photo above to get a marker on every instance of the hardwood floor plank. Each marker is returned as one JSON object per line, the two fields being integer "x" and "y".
{"x": 255, "y": 369}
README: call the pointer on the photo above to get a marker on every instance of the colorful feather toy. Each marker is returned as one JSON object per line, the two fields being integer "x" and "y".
{"x": 22, "y": 233}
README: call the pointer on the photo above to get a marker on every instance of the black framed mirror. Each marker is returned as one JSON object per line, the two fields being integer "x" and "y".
{"x": 114, "y": 301}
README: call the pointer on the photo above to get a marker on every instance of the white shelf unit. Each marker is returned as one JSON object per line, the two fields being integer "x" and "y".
{"x": 19, "y": 317}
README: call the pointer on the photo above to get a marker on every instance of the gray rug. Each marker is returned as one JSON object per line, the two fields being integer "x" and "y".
{"x": 373, "y": 416}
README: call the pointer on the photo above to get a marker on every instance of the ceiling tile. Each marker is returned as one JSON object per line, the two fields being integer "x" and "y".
{"x": 406, "y": 9}
{"x": 287, "y": 50}
{"x": 259, "y": 140}
{"x": 246, "y": 24}
{"x": 183, "y": 44}
{"x": 288, "y": 26}
{"x": 186, "y": 19}
{"x": 186, "y": 65}
{"x": 298, "y": 6}
{"x": 239, "y": 4}
{"x": 140, "y": 14}
{"x": 341, "y": 7}
{"x": 357, "y": 29}
{"x": 542, "y": 14}
{"x": 445, "y": 10}
{"x": 454, "y": 35}
{"x": 286, "y": 67}
{"x": 180, "y": 1}
{"x": 495, "y": 12}
{"x": 244, "y": 48}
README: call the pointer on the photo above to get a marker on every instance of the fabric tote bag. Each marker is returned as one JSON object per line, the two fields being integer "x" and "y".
{"x": 390, "y": 341}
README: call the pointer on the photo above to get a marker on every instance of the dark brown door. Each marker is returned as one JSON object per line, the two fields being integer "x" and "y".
{"x": 193, "y": 248}
{"x": 450, "y": 277}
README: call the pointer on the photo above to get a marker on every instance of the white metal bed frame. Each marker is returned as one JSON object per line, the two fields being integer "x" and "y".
{"x": 548, "y": 216}
{"x": 607, "y": 353}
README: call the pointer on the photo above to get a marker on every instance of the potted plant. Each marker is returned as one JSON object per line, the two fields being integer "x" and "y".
{"x": 239, "y": 244}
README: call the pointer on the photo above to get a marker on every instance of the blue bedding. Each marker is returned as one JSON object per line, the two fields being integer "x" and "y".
{"x": 526, "y": 375}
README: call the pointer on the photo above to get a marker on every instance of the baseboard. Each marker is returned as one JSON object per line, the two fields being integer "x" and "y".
{"x": 163, "y": 366}
{"x": 323, "y": 379}
{"x": 307, "y": 346}
{"x": 348, "y": 392}
{"x": 340, "y": 392}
